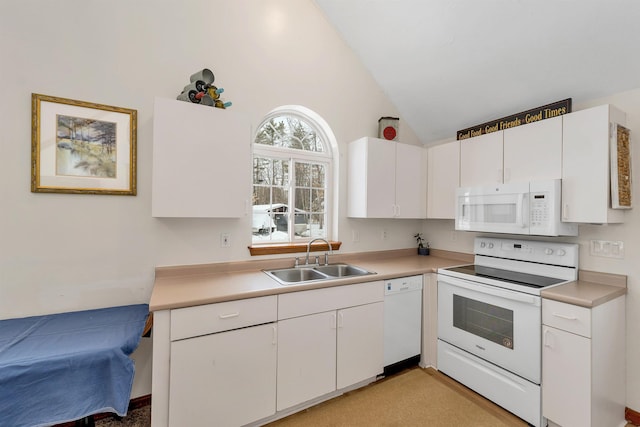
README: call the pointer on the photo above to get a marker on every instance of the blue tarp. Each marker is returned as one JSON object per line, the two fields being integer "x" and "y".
{"x": 63, "y": 367}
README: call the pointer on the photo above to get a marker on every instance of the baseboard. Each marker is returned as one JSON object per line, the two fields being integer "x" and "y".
{"x": 632, "y": 416}
{"x": 136, "y": 403}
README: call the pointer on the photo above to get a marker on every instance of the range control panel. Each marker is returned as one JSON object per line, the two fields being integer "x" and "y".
{"x": 565, "y": 254}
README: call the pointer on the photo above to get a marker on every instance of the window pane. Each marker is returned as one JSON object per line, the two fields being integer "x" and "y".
{"x": 317, "y": 226}
{"x": 270, "y": 199}
{"x": 303, "y": 199}
{"x": 317, "y": 201}
{"x": 289, "y": 132}
{"x": 303, "y": 174}
{"x": 318, "y": 176}
{"x": 301, "y": 228}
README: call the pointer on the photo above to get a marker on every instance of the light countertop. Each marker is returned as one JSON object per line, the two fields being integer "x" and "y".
{"x": 590, "y": 290}
{"x": 184, "y": 286}
{"x": 191, "y": 285}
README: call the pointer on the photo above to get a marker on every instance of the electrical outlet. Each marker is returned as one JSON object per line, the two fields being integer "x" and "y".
{"x": 355, "y": 236}
{"x": 385, "y": 234}
{"x": 225, "y": 240}
{"x": 606, "y": 248}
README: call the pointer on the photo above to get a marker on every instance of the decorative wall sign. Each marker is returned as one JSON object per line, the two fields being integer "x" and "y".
{"x": 388, "y": 128}
{"x": 620, "y": 169}
{"x": 536, "y": 114}
{"x": 81, "y": 147}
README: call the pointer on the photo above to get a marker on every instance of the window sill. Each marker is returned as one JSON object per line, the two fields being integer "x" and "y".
{"x": 290, "y": 248}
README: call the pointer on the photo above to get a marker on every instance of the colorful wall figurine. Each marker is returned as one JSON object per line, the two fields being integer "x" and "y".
{"x": 201, "y": 90}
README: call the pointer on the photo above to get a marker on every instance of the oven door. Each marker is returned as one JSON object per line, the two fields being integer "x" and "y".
{"x": 495, "y": 324}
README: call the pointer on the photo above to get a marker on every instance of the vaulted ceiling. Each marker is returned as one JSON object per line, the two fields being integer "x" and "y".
{"x": 452, "y": 64}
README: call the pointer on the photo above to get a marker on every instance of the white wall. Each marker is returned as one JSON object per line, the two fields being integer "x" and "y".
{"x": 74, "y": 252}
{"x": 441, "y": 235}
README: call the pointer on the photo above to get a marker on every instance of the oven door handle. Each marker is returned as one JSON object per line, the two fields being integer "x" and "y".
{"x": 492, "y": 290}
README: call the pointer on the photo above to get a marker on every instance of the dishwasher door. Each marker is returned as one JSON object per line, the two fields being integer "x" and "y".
{"x": 402, "y": 319}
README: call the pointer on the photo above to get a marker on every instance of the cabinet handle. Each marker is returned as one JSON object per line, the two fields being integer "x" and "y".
{"x": 565, "y": 211}
{"x": 274, "y": 339}
{"x": 230, "y": 315}
{"x": 334, "y": 321}
{"x": 545, "y": 340}
{"x": 397, "y": 210}
{"x": 564, "y": 316}
{"x": 507, "y": 175}
{"x": 340, "y": 320}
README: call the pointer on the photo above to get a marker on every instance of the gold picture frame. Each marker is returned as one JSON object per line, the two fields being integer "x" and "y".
{"x": 81, "y": 147}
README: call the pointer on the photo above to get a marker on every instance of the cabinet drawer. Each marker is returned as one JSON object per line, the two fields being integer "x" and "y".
{"x": 302, "y": 303}
{"x": 568, "y": 317}
{"x": 224, "y": 316}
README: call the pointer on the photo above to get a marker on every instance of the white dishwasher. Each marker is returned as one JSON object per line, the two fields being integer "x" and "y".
{"x": 402, "y": 322}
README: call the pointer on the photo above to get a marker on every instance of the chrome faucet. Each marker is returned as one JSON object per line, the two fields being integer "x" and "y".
{"x": 326, "y": 254}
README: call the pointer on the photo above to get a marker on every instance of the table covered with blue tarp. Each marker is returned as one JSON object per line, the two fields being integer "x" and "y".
{"x": 63, "y": 367}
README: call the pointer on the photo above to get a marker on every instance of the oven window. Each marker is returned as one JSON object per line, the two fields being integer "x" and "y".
{"x": 484, "y": 320}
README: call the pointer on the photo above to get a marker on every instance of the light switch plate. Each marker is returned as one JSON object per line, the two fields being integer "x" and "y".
{"x": 607, "y": 248}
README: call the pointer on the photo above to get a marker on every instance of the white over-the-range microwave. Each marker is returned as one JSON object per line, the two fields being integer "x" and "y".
{"x": 514, "y": 208}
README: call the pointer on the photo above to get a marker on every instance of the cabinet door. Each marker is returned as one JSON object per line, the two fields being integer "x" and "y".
{"x": 566, "y": 377}
{"x": 533, "y": 151}
{"x": 371, "y": 181}
{"x": 201, "y": 161}
{"x": 443, "y": 173}
{"x": 223, "y": 379}
{"x": 585, "y": 166}
{"x": 411, "y": 181}
{"x": 306, "y": 358}
{"x": 481, "y": 160}
{"x": 360, "y": 343}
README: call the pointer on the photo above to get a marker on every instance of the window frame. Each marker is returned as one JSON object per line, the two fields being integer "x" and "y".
{"x": 328, "y": 157}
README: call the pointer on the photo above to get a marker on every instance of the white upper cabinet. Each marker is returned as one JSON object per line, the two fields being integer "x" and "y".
{"x": 586, "y": 172}
{"x": 523, "y": 153}
{"x": 386, "y": 179}
{"x": 533, "y": 151}
{"x": 443, "y": 171}
{"x": 201, "y": 161}
{"x": 481, "y": 160}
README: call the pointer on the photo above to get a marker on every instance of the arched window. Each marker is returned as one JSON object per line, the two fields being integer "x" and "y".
{"x": 292, "y": 177}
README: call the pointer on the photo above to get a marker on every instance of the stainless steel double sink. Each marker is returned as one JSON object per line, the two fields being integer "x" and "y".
{"x": 305, "y": 274}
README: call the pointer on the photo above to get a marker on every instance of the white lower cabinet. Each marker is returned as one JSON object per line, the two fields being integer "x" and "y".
{"x": 224, "y": 379}
{"x": 239, "y": 362}
{"x": 215, "y": 364}
{"x": 337, "y": 347}
{"x": 360, "y": 349}
{"x": 306, "y": 358}
{"x": 583, "y": 364}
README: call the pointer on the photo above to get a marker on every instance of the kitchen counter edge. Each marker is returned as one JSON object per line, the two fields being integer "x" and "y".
{"x": 590, "y": 290}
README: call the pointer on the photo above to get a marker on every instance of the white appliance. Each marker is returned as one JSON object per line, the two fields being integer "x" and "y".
{"x": 402, "y": 320}
{"x": 490, "y": 319}
{"x": 515, "y": 208}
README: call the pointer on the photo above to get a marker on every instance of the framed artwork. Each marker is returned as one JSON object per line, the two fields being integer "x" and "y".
{"x": 621, "y": 168}
{"x": 82, "y": 148}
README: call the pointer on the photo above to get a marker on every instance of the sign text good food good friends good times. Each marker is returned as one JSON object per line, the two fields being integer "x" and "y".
{"x": 545, "y": 112}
